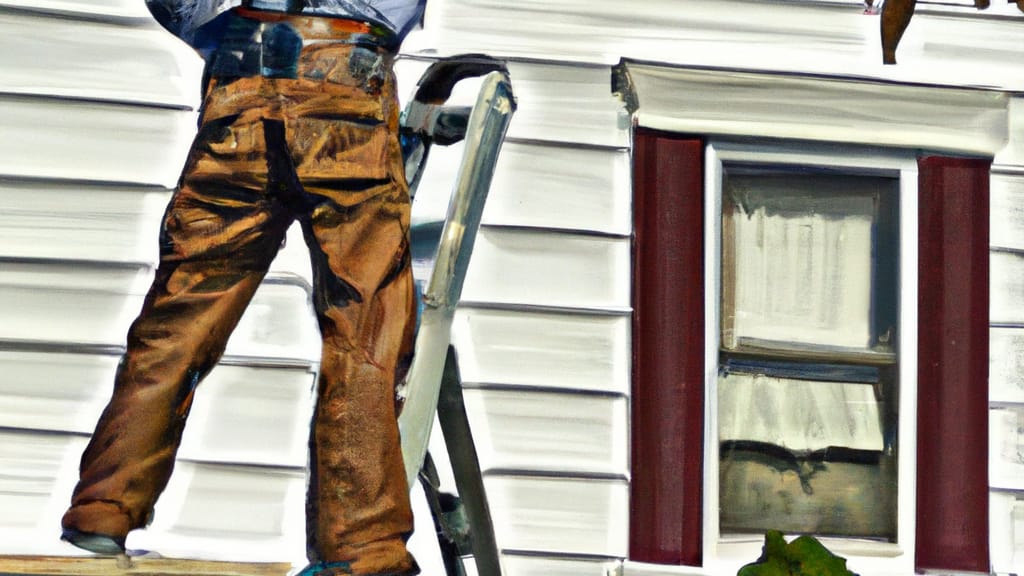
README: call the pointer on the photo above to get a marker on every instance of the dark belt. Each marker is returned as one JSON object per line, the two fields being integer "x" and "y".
{"x": 264, "y": 43}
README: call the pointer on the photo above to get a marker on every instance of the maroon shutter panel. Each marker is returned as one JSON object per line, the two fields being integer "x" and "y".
{"x": 952, "y": 397}
{"x": 668, "y": 349}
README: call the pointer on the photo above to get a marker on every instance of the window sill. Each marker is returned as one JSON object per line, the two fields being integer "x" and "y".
{"x": 629, "y": 568}
{"x": 106, "y": 566}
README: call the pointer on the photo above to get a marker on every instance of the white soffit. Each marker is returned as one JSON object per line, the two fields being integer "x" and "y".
{"x": 742, "y": 103}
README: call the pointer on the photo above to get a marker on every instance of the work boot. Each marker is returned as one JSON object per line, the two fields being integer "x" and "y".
{"x": 95, "y": 543}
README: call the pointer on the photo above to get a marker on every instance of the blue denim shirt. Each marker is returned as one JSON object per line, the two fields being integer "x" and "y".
{"x": 201, "y": 22}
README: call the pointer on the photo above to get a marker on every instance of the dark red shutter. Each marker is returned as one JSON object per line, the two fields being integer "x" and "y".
{"x": 952, "y": 396}
{"x": 668, "y": 349}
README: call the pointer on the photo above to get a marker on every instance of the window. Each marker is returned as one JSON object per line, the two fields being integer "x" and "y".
{"x": 808, "y": 375}
{"x": 901, "y": 350}
{"x": 809, "y": 396}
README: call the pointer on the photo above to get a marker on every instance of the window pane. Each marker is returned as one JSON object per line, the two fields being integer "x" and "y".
{"x": 800, "y": 267}
{"x": 799, "y": 416}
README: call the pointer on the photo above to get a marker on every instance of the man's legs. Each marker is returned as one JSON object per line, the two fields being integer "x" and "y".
{"x": 220, "y": 234}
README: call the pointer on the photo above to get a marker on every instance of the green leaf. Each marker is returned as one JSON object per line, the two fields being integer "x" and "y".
{"x": 804, "y": 556}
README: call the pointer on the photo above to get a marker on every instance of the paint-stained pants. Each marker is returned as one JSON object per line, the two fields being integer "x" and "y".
{"x": 322, "y": 149}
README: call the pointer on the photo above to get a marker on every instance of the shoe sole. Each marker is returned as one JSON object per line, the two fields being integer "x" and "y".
{"x": 95, "y": 543}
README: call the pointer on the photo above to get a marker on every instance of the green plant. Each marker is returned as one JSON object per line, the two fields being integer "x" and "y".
{"x": 804, "y": 556}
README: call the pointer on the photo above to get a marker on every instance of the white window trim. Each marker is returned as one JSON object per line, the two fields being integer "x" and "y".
{"x": 723, "y": 556}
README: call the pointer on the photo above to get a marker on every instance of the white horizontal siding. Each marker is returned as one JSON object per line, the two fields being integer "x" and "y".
{"x": 547, "y": 315}
{"x": 241, "y": 414}
{"x": 562, "y": 187}
{"x": 541, "y": 566}
{"x": 1007, "y": 211}
{"x": 50, "y": 138}
{"x": 54, "y": 391}
{"x": 80, "y": 221}
{"x": 517, "y": 267}
{"x": 34, "y": 489}
{"x": 1006, "y": 521}
{"x": 1006, "y": 365}
{"x": 1007, "y": 288}
{"x": 246, "y": 415}
{"x": 548, "y": 186}
{"x": 549, "y": 432}
{"x": 547, "y": 293}
{"x": 254, "y": 513}
{"x": 567, "y": 516}
{"x": 120, "y": 9}
{"x": 54, "y": 303}
{"x": 543, "y": 350}
{"x": 95, "y": 60}
{"x": 821, "y": 38}
{"x": 566, "y": 104}
{"x": 1006, "y": 448}
{"x": 557, "y": 102}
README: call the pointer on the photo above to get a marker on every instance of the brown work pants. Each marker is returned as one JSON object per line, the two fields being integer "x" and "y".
{"x": 322, "y": 149}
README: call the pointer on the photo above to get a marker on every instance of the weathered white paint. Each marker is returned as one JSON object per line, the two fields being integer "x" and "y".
{"x": 88, "y": 8}
{"x": 96, "y": 60}
{"x": 247, "y": 415}
{"x": 799, "y": 36}
{"x": 34, "y": 488}
{"x": 538, "y": 185}
{"x": 630, "y": 568}
{"x": 559, "y": 515}
{"x": 543, "y": 350}
{"x": 90, "y": 141}
{"x": 256, "y": 513}
{"x": 566, "y": 104}
{"x": 549, "y": 431}
{"x": 1007, "y": 211}
{"x": 54, "y": 391}
{"x": 97, "y": 222}
{"x": 79, "y": 221}
{"x": 543, "y": 186}
{"x": 1006, "y": 287}
{"x": 540, "y": 566}
{"x": 242, "y": 414}
{"x": 1007, "y": 532}
{"x": 1006, "y": 365}
{"x": 1006, "y": 448}
{"x": 94, "y": 305}
{"x": 561, "y": 187}
{"x": 555, "y": 270}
